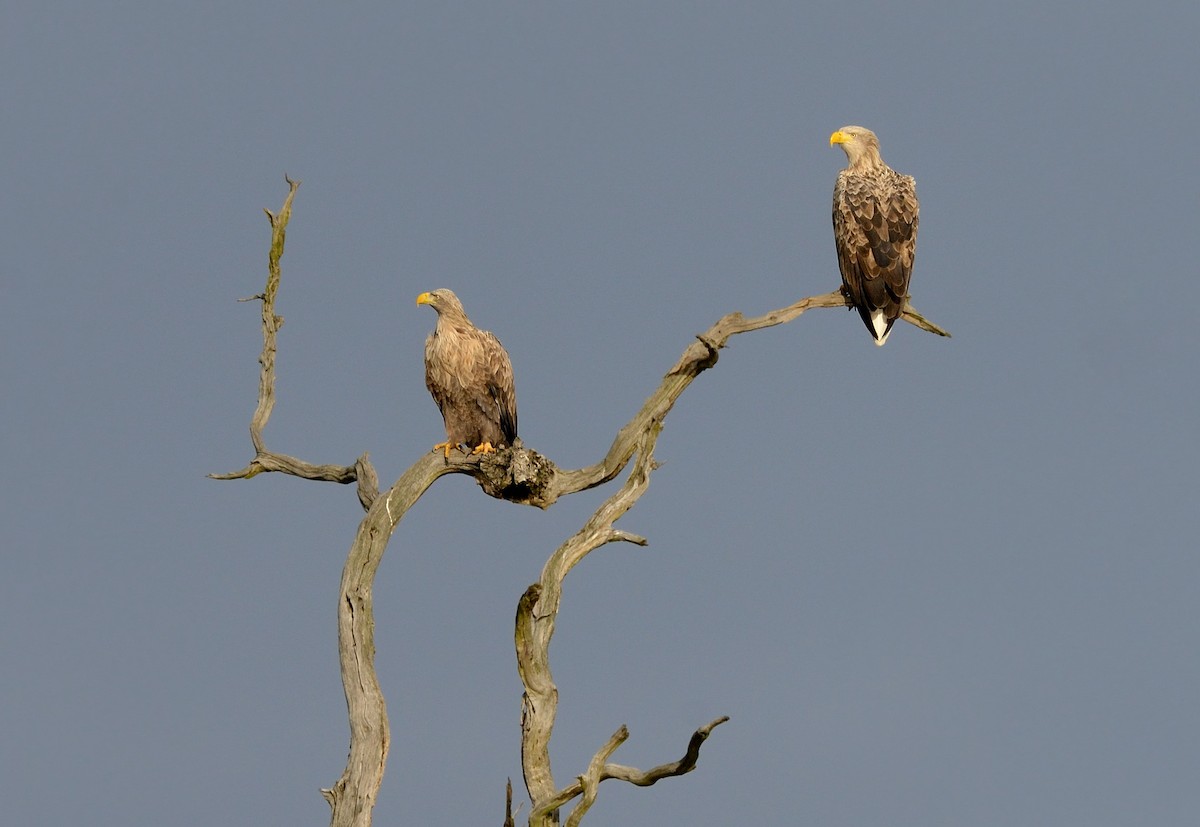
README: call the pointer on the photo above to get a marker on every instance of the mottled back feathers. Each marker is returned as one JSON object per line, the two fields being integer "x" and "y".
{"x": 875, "y": 216}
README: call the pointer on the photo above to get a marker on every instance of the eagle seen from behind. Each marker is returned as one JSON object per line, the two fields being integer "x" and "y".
{"x": 875, "y": 214}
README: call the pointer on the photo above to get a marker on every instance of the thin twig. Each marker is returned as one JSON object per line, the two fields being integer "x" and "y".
{"x": 508, "y": 810}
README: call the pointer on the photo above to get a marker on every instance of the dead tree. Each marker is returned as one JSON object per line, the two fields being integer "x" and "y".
{"x": 518, "y": 475}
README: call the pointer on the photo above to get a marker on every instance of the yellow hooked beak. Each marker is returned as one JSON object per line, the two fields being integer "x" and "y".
{"x": 425, "y": 298}
{"x": 839, "y": 137}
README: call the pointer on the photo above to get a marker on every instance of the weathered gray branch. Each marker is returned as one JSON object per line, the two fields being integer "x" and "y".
{"x": 537, "y": 612}
{"x": 697, "y": 358}
{"x": 538, "y": 607}
{"x": 590, "y": 780}
{"x": 519, "y": 475}
{"x": 352, "y": 797}
{"x": 361, "y": 471}
{"x": 640, "y": 778}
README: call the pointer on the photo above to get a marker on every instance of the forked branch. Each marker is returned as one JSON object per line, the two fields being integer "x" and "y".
{"x": 519, "y": 475}
{"x": 697, "y": 358}
{"x": 538, "y": 607}
{"x": 599, "y": 770}
{"x": 361, "y": 471}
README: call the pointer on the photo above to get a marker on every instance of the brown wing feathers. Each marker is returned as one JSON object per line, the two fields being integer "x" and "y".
{"x": 470, "y": 377}
{"x": 875, "y": 216}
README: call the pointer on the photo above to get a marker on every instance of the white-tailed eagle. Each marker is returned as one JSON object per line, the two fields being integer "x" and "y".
{"x": 470, "y": 376}
{"x": 875, "y": 212}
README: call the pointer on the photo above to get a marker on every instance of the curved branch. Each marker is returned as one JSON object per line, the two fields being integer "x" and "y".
{"x": 538, "y": 607}
{"x": 644, "y": 778}
{"x": 352, "y": 797}
{"x": 640, "y": 778}
{"x": 270, "y": 322}
{"x": 361, "y": 471}
{"x": 590, "y": 781}
{"x": 697, "y": 358}
{"x": 516, "y": 474}
{"x": 537, "y": 612}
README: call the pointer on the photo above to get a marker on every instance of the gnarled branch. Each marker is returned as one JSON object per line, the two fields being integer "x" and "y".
{"x": 590, "y": 780}
{"x": 538, "y": 607}
{"x": 519, "y": 475}
{"x": 697, "y": 358}
{"x": 361, "y": 471}
{"x": 640, "y": 778}
{"x": 352, "y": 797}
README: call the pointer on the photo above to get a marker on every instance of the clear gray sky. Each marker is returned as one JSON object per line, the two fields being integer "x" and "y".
{"x": 946, "y": 582}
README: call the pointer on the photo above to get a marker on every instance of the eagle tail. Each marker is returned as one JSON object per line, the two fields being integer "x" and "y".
{"x": 878, "y": 324}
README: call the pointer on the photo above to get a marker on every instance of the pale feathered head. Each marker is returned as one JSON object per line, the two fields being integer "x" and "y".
{"x": 858, "y": 142}
{"x": 443, "y": 301}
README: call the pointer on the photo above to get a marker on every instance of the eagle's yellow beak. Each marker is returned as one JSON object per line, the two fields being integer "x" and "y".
{"x": 839, "y": 137}
{"x": 424, "y": 298}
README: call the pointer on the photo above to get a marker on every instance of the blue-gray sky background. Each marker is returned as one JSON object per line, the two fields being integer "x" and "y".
{"x": 945, "y": 582}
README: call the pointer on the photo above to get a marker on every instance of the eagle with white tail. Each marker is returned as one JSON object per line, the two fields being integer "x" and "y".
{"x": 875, "y": 213}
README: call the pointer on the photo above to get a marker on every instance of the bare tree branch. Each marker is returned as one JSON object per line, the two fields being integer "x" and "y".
{"x": 538, "y": 607}
{"x": 917, "y": 320}
{"x": 271, "y": 322}
{"x": 590, "y": 781}
{"x": 697, "y": 358}
{"x": 361, "y": 471}
{"x": 684, "y": 765}
{"x": 640, "y": 778}
{"x": 352, "y": 797}
{"x": 537, "y": 612}
{"x": 519, "y": 475}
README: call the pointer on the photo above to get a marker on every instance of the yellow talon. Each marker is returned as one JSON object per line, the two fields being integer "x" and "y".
{"x": 484, "y": 448}
{"x": 445, "y": 446}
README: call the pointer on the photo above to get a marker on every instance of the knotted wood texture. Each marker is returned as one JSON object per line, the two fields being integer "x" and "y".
{"x": 519, "y": 475}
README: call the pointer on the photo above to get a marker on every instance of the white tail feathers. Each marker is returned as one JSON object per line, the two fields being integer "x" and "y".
{"x": 880, "y": 323}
